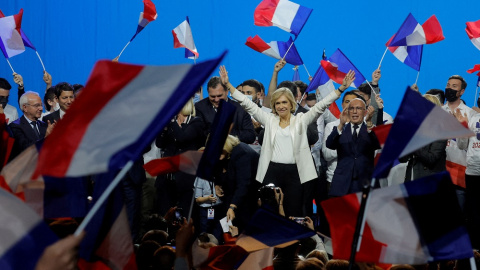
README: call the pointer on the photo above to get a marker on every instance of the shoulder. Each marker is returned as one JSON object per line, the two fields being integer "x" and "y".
{"x": 202, "y": 103}
{"x": 15, "y": 123}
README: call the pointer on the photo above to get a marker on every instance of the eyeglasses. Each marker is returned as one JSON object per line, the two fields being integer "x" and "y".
{"x": 351, "y": 109}
{"x": 39, "y": 105}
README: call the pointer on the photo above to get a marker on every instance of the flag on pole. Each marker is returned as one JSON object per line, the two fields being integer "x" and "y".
{"x": 182, "y": 37}
{"x": 418, "y": 123}
{"x": 474, "y": 69}
{"x": 104, "y": 138}
{"x": 412, "y": 223}
{"x": 412, "y": 33}
{"x": 284, "y": 14}
{"x": 296, "y": 74}
{"x": 10, "y": 35}
{"x": 409, "y": 55}
{"x": 24, "y": 234}
{"x": 338, "y": 66}
{"x": 25, "y": 39}
{"x": 276, "y": 49}
{"x": 186, "y": 162}
{"x": 148, "y": 15}
{"x": 473, "y": 32}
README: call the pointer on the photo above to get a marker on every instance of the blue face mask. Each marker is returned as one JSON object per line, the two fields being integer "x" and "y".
{"x": 196, "y": 98}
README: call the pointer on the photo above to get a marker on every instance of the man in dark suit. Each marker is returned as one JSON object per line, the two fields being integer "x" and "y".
{"x": 65, "y": 97}
{"x": 207, "y": 108}
{"x": 28, "y": 129}
{"x": 355, "y": 145}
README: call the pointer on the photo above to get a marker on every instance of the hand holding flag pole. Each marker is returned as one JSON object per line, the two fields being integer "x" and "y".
{"x": 289, "y": 47}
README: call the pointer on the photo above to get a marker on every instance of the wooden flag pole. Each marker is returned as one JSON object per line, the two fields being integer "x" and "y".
{"x": 381, "y": 60}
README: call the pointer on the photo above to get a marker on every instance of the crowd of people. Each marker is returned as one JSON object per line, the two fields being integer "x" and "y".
{"x": 285, "y": 150}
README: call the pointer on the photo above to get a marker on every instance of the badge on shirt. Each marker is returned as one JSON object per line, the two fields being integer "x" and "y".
{"x": 211, "y": 213}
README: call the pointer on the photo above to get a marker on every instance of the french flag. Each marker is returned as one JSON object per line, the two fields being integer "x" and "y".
{"x": 419, "y": 122}
{"x": 10, "y": 35}
{"x": 473, "y": 32}
{"x": 338, "y": 66}
{"x": 409, "y": 55}
{"x": 148, "y": 15}
{"x": 24, "y": 234}
{"x": 186, "y": 162}
{"x": 25, "y": 39}
{"x": 323, "y": 85}
{"x": 276, "y": 49}
{"x": 183, "y": 38}
{"x": 412, "y": 223}
{"x": 112, "y": 132}
{"x": 412, "y": 33}
{"x": 284, "y": 14}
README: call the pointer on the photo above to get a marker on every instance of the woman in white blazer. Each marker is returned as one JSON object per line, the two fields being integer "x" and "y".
{"x": 285, "y": 158}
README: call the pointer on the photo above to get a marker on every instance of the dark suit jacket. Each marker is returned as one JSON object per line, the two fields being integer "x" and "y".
{"x": 242, "y": 122}
{"x": 352, "y": 156}
{"x": 312, "y": 130}
{"x": 426, "y": 161}
{"x": 24, "y": 134}
{"x": 55, "y": 116}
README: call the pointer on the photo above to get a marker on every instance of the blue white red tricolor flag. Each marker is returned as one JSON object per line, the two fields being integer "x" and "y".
{"x": 11, "y": 40}
{"x": 412, "y": 33}
{"x": 473, "y": 32}
{"x": 182, "y": 37}
{"x": 419, "y": 122}
{"x": 186, "y": 162}
{"x": 409, "y": 55}
{"x": 338, "y": 66}
{"x": 148, "y": 15}
{"x": 23, "y": 234}
{"x": 115, "y": 130}
{"x": 276, "y": 49}
{"x": 284, "y": 14}
{"x": 412, "y": 223}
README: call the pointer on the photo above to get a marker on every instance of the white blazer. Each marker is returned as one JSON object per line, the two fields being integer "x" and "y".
{"x": 298, "y": 130}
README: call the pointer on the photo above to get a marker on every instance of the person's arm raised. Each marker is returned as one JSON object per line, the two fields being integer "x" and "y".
{"x": 273, "y": 82}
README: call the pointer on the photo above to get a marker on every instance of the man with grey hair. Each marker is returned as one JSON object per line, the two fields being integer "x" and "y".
{"x": 28, "y": 129}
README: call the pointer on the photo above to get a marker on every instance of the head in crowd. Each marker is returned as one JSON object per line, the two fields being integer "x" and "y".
{"x": 50, "y": 100}
{"x": 433, "y": 98}
{"x": 189, "y": 108}
{"x": 164, "y": 258}
{"x": 4, "y": 92}
{"x": 439, "y": 93}
{"x": 349, "y": 96}
{"x": 310, "y": 264}
{"x": 230, "y": 143}
{"x": 216, "y": 91}
{"x": 266, "y": 197}
{"x": 159, "y": 236}
{"x": 357, "y": 110}
{"x": 365, "y": 92}
{"x": 64, "y": 94}
{"x": 198, "y": 95}
{"x": 144, "y": 255}
{"x": 402, "y": 267}
{"x": 307, "y": 245}
{"x": 283, "y": 102}
{"x": 302, "y": 87}
{"x": 293, "y": 89}
{"x": 339, "y": 265}
{"x": 77, "y": 88}
{"x": 252, "y": 89}
{"x": 155, "y": 222}
{"x": 319, "y": 254}
{"x": 311, "y": 100}
{"x": 31, "y": 105}
{"x": 207, "y": 238}
{"x": 455, "y": 88}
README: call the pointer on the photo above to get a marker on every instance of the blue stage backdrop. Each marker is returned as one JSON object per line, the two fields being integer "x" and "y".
{"x": 72, "y": 35}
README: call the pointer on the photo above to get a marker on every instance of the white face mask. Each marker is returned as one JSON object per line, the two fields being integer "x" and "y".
{"x": 260, "y": 101}
{"x": 56, "y": 107}
{"x": 249, "y": 97}
{"x": 196, "y": 98}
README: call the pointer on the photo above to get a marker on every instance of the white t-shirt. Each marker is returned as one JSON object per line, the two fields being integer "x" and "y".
{"x": 11, "y": 113}
{"x": 472, "y": 145}
{"x": 283, "y": 147}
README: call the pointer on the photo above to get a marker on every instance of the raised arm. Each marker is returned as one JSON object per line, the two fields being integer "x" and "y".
{"x": 273, "y": 82}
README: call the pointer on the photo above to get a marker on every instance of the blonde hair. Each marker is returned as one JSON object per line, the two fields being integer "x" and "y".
{"x": 189, "y": 108}
{"x": 433, "y": 98}
{"x": 230, "y": 143}
{"x": 283, "y": 91}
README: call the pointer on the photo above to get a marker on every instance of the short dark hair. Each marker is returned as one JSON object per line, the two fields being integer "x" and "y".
{"x": 311, "y": 96}
{"x": 301, "y": 85}
{"x": 352, "y": 93}
{"x": 458, "y": 77}
{"x": 49, "y": 95}
{"x": 365, "y": 88}
{"x": 61, "y": 87}
{"x": 253, "y": 83}
{"x": 290, "y": 85}
{"x": 77, "y": 88}
{"x": 5, "y": 84}
{"x": 439, "y": 93}
{"x": 214, "y": 82}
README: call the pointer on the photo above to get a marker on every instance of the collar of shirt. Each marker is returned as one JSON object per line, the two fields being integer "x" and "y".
{"x": 62, "y": 113}
{"x": 359, "y": 127}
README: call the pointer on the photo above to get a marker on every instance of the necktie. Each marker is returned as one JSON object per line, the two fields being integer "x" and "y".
{"x": 355, "y": 135}
{"x": 34, "y": 123}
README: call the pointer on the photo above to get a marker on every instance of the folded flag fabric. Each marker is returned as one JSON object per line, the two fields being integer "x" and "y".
{"x": 284, "y": 14}
{"x": 25, "y": 39}
{"x": 217, "y": 257}
{"x": 276, "y": 49}
{"x": 409, "y": 55}
{"x": 258, "y": 260}
{"x": 412, "y": 33}
{"x": 11, "y": 39}
{"x": 474, "y": 69}
{"x": 104, "y": 138}
{"x": 186, "y": 162}
{"x": 182, "y": 37}
{"x": 148, "y": 15}
{"x": 419, "y": 122}
{"x": 338, "y": 66}
{"x": 473, "y": 32}
{"x": 24, "y": 235}
{"x": 412, "y": 223}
